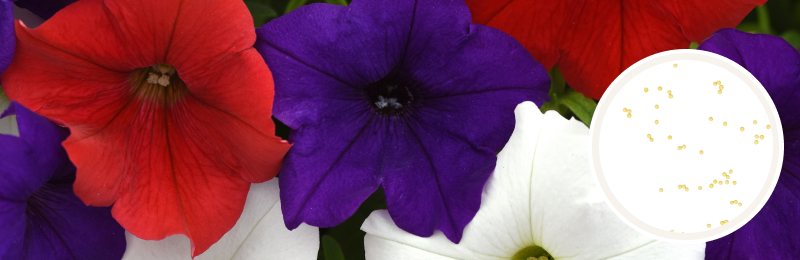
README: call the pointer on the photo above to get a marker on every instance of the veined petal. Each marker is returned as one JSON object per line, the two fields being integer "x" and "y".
{"x": 7, "y": 41}
{"x": 335, "y": 45}
{"x": 594, "y": 41}
{"x": 540, "y": 194}
{"x": 258, "y": 233}
{"x": 332, "y": 167}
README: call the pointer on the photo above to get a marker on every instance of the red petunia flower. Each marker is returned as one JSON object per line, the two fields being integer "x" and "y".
{"x": 168, "y": 104}
{"x": 593, "y": 41}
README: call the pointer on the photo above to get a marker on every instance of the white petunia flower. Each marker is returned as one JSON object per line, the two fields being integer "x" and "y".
{"x": 541, "y": 200}
{"x": 258, "y": 234}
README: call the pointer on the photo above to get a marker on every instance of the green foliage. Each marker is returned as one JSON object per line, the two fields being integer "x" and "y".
{"x": 337, "y": 2}
{"x": 294, "y": 4}
{"x": 261, "y": 12}
{"x": 567, "y": 101}
{"x": 331, "y": 248}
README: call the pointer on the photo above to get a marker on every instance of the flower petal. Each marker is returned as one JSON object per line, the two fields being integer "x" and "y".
{"x": 594, "y": 41}
{"x": 776, "y": 64}
{"x": 539, "y": 198}
{"x": 7, "y": 41}
{"x": 475, "y": 99}
{"x": 384, "y": 240}
{"x": 258, "y": 233}
{"x": 336, "y": 44}
{"x": 332, "y": 167}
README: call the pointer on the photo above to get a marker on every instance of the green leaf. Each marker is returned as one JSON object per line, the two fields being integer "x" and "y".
{"x": 693, "y": 45}
{"x": 337, "y": 2}
{"x": 583, "y": 107}
{"x": 557, "y": 88}
{"x": 261, "y": 12}
{"x": 331, "y": 248}
{"x": 294, "y": 4}
{"x": 793, "y": 37}
{"x": 763, "y": 20}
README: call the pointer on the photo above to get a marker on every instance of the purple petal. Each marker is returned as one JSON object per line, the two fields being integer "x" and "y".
{"x": 332, "y": 167}
{"x": 462, "y": 82}
{"x": 322, "y": 53}
{"x": 773, "y": 232}
{"x": 40, "y": 216}
{"x": 7, "y": 38}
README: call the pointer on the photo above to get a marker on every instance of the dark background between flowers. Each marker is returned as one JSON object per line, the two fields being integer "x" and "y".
{"x": 346, "y": 241}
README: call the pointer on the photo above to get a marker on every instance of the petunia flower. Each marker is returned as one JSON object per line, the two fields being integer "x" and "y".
{"x": 592, "y": 42}
{"x": 41, "y": 218}
{"x": 404, "y": 94}
{"x": 541, "y": 202}
{"x": 259, "y": 234}
{"x": 168, "y": 106}
{"x": 773, "y": 232}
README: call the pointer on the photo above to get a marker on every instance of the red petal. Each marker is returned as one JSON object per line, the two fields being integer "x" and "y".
{"x": 179, "y": 168}
{"x": 593, "y": 41}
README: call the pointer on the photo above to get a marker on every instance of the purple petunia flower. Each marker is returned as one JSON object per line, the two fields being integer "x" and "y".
{"x": 774, "y": 233}
{"x": 405, "y": 94}
{"x": 40, "y": 216}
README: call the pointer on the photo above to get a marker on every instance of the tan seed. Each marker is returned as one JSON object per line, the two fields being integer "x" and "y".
{"x": 656, "y": 121}
{"x": 670, "y": 96}
{"x": 741, "y": 129}
{"x": 669, "y": 137}
{"x": 656, "y": 106}
{"x": 686, "y": 188}
{"x": 699, "y": 187}
{"x": 727, "y": 176}
{"x": 734, "y": 182}
{"x": 724, "y": 123}
{"x": 755, "y": 142}
{"x": 730, "y": 171}
{"x": 629, "y": 115}
{"x": 708, "y": 226}
{"x": 651, "y": 140}
{"x": 761, "y": 137}
{"x": 669, "y": 91}
{"x": 710, "y": 118}
{"x": 755, "y": 122}
{"x": 721, "y": 87}
{"x": 624, "y": 109}
{"x": 711, "y": 185}
{"x": 722, "y": 222}
{"x": 716, "y": 83}
{"x": 726, "y": 181}
{"x": 756, "y": 136}
{"x": 675, "y": 65}
{"x": 680, "y": 147}
{"x": 701, "y": 152}
{"x": 719, "y": 92}
{"x": 660, "y": 189}
{"x": 731, "y": 202}
{"x": 740, "y": 204}
{"x": 659, "y": 88}
{"x": 715, "y": 181}
{"x": 645, "y": 90}
{"x": 768, "y": 126}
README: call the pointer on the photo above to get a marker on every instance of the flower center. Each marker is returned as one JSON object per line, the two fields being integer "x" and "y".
{"x": 532, "y": 253}
{"x": 158, "y": 83}
{"x": 389, "y": 97}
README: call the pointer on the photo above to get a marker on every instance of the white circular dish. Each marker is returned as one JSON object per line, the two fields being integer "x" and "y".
{"x": 669, "y": 170}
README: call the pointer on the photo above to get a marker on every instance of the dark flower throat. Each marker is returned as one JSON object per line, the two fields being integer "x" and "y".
{"x": 389, "y": 97}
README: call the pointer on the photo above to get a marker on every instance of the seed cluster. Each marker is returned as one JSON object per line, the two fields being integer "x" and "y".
{"x": 725, "y": 174}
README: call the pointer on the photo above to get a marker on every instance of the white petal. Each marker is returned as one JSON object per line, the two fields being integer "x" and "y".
{"x": 570, "y": 217}
{"x": 541, "y": 193}
{"x": 494, "y": 233}
{"x": 8, "y": 125}
{"x": 384, "y": 240}
{"x": 258, "y": 234}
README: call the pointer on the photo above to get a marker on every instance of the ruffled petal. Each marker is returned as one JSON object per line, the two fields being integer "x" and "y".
{"x": 258, "y": 233}
{"x": 332, "y": 167}
{"x": 594, "y": 41}
{"x": 772, "y": 233}
{"x": 535, "y": 198}
{"x": 343, "y": 49}
{"x": 474, "y": 100}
